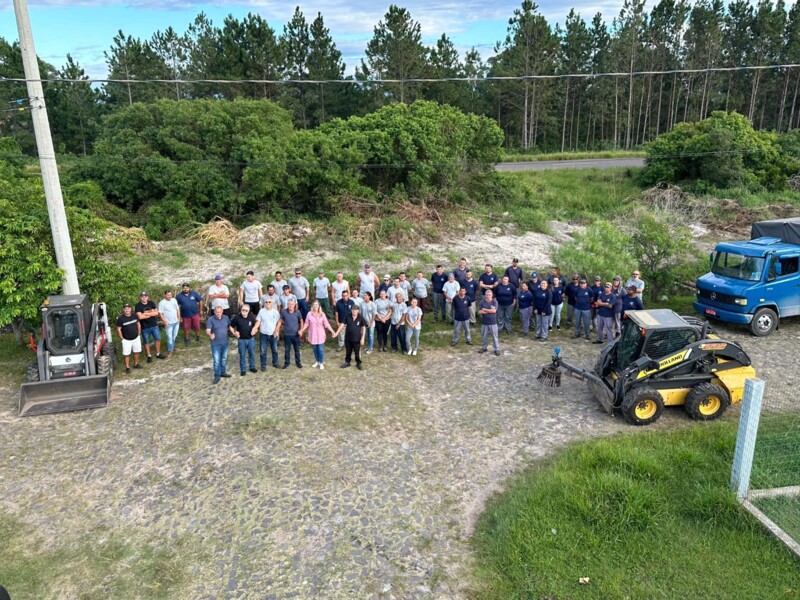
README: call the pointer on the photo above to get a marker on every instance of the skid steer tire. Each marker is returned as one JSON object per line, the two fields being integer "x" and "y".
{"x": 642, "y": 406}
{"x": 110, "y": 350}
{"x": 706, "y": 401}
{"x": 32, "y": 373}
{"x": 105, "y": 365}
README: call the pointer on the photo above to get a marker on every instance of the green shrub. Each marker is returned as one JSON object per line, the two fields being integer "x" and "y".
{"x": 167, "y": 217}
{"x": 602, "y": 249}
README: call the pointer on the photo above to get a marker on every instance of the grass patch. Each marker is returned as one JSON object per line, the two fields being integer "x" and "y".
{"x": 776, "y": 462}
{"x": 643, "y": 516}
{"x": 98, "y": 566}
{"x": 15, "y": 358}
{"x": 784, "y": 511}
{"x": 520, "y": 156}
{"x": 257, "y": 426}
{"x": 582, "y": 195}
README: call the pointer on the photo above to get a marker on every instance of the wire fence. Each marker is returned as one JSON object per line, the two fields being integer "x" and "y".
{"x": 771, "y": 428}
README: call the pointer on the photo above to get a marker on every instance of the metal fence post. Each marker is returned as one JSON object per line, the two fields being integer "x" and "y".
{"x": 746, "y": 437}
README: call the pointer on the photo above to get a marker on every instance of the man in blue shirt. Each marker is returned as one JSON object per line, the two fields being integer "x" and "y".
{"x": 191, "y": 305}
{"x": 596, "y": 290}
{"x": 632, "y": 301}
{"x": 291, "y": 322}
{"x": 488, "y": 280}
{"x": 569, "y": 292}
{"x": 461, "y": 306}
{"x": 542, "y": 308}
{"x": 488, "y": 309}
{"x": 583, "y": 308}
{"x": 217, "y": 329}
{"x": 514, "y": 274}
{"x": 343, "y": 307}
{"x": 506, "y": 295}
{"x": 438, "y": 279}
{"x": 525, "y": 304}
{"x": 605, "y": 314}
{"x": 460, "y": 272}
{"x": 471, "y": 285}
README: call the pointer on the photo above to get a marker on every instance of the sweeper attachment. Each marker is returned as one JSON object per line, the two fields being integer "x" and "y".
{"x": 75, "y": 358}
{"x": 661, "y": 359}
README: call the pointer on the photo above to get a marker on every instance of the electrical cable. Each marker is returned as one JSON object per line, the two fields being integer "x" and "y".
{"x": 367, "y": 82}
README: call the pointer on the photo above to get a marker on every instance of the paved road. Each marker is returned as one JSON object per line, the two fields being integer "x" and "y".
{"x": 589, "y": 163}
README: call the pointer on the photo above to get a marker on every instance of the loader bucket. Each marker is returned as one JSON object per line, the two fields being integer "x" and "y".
{"x": 601, "y": 393}
{"x": 62, "y": 395}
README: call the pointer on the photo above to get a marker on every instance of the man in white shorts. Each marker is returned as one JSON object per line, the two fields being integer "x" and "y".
{"x": 129, "y": 329}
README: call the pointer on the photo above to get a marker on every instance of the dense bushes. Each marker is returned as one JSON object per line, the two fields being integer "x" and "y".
{"x": 28, "y": 272}
{"x": 722, "y": 151}
{"x": 174, "y": 162}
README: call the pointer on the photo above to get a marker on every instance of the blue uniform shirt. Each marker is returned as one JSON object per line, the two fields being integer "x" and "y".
{"x": 504, "y": 294}
{"x": 583, "y": 299}
{"x": 524, "y": 299}
{"x": 472, "y": 288}
{"x": 634, "y": 303}
{"x": 461, "y": 308}
{"x": 438, "y": 282}
{"x": 488, "y": 279}
{"x": 542, "y": 301}
{"x": 558, "y": 295}
{"x": 604, "y": 311}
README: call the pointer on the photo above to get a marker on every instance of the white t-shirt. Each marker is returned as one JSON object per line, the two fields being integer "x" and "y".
{"x": 250, "y": 290}
{"x": 219, "y": 289}
{"x": 268, "y": 319}
{"x": 367, "y": 282}
{"x": 169, "y": 308}
{"x": 338, "y": 288}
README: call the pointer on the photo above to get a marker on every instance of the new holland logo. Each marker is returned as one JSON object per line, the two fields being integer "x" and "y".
{"x": 666, "y": 363}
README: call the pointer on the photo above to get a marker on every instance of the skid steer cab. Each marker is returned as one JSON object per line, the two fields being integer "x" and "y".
{"x": 662, "y": 359}
{"x": 75, "y": 358}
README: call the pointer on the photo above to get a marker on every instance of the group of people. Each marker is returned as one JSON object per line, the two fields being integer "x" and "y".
{"x": 392, "y": 307}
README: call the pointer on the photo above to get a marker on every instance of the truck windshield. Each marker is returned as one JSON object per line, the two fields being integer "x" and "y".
{"x": 737, "y": 266}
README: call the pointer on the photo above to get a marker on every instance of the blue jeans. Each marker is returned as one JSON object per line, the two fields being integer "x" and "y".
{"x": 399, "y": 333}
{"x": 412, "y": 338}
{"x": 371, "y": 336}
{"x": 171, "y": 332}
{"x": 302, "y": 304}
{"x": 291, "y": 341}
{"x": 249, "y": 347}
{"x": 219, "y": 354}
{"x": 271, "y": 341}
{"x": 319, "y": 352}
{"x": 556, "y": 316}
{"x": 151, "y": 334}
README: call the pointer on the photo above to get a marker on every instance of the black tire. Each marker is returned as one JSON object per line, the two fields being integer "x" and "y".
{"x": 764, "y": 322}
{"x": 109, "y": 349}
{"x": 104, "y": 365}
{"x": 706, "y": 401}
{"x": 642, "y": 406}
{"x": 32, "y": 373}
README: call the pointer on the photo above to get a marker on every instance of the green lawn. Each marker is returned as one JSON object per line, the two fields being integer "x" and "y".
{"x": 647, "y": 515}
{"x": 518, "y": 156}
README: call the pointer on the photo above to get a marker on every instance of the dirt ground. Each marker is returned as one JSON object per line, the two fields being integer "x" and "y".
{"x": 303, "y": 483}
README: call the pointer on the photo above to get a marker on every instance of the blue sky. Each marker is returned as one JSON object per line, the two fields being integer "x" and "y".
{"x": 85, "y": 28}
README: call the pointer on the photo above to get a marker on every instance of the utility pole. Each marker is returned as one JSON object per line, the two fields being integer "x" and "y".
{"x": 47, "y": 155}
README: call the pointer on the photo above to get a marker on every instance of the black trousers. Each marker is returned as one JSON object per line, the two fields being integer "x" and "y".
{"x": 383, "y": 333}
{"x": 350, "y": 348}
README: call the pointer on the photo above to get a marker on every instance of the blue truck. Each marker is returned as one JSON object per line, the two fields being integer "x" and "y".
{"x": 755, "y": 282}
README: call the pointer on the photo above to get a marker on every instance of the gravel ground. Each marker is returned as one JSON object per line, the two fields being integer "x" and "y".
{"x": 307, "y": 483}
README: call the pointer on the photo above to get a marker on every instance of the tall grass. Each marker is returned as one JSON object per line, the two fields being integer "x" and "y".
{"x": 516, "y": 155}
{"x": 642, "y": 516}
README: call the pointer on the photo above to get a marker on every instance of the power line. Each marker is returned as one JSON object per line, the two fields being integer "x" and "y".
{"x": 367, "y": 82}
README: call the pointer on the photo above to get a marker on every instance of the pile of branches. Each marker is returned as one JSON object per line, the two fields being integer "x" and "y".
{"x": 221, "y": 233}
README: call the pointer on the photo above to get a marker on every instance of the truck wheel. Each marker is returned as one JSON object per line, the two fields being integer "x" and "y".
{"x": 764, "y": 322}
{"x": 104, "y": 365}
{"x": 706, "y": 401}
{"x": 32, "y": 373}
{"x": 642, "y": 406}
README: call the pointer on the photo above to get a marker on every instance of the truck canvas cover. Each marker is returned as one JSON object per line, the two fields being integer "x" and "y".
{"x": 787, "y": 230}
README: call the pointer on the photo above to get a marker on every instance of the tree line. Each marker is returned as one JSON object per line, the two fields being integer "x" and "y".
{"x": 623, "y": 111}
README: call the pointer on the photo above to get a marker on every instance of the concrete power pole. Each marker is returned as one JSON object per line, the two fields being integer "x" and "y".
{"x": 47, "y": 155}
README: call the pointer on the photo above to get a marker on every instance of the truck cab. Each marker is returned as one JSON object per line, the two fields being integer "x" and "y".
{"x": 754, "y": 282}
